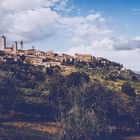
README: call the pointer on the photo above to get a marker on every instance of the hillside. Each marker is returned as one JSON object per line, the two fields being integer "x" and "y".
{"x": 102, "y": 67}
{"x": 103, "y": 92}
{"x": 69, "y": 70}
{"x": 137, "y": 72}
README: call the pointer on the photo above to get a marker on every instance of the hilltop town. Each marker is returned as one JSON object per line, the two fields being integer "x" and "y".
{"x": 39, "y": 58}
{"x": 38, "y": 87}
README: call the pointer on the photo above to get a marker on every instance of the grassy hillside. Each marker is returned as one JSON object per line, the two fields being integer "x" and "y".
{"x": 85, "y": 101}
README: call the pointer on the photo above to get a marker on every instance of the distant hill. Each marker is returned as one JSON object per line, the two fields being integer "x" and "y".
{"x": 137, "y": 72}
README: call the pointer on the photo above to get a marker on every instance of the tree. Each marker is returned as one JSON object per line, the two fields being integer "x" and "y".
{"x": 134, "y": 78}
{"x": 83, "y": 124}
{"x": 87, "y": 117}
{"x": 127, "y": 89}
{"x": 7, "y": 94}
{"x": 77, "y": 79}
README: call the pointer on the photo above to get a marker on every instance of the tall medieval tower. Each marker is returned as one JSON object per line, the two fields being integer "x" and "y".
{"x": 21, "y": 44}
{"x": 15, "y": 47}
{"x": 3, "y": 42}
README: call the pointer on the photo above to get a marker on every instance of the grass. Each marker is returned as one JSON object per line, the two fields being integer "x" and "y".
{"x": 136, "y": 87}
{"x": 69, "y": 70}
{"x": 117, "y": 85}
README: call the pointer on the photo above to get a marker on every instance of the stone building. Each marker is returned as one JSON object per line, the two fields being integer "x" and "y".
{"x": 83, "y": 57}
{"x": 35, "y": 53}
{"x": 34, "y": 60}
{"x": 3, "y": 42}
{"x": 51, "y": 54}
{"x": 12, "y": 50}
{"x": 65, "y": 58}
{"x": 15, "y": 47}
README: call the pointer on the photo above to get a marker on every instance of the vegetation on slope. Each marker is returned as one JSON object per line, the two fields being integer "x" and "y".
{"x": 83, "y": 100}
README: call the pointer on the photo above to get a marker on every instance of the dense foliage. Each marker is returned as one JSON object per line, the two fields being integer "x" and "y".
{"x": 86, "y": 108}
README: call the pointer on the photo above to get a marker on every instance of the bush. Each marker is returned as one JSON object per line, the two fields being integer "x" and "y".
{"x": 76, "y": 79}
{"x": 127, "y": 89}
{"x": 82, "y": 124}
{"x": 7, "y": 94}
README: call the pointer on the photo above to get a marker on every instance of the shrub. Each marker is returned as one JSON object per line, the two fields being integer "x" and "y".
{"x": 76, "y": 79}
{"x": 127, "y": 89}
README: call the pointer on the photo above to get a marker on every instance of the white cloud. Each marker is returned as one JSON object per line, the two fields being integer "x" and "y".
{"x": 137, "y": 38}
{"x": 22, "y": 5}
{"x": 34, "y": 24}
{"x": 40, "y": 19}
{"x": 34, "y": 21}
{"x": 28, "y": 20}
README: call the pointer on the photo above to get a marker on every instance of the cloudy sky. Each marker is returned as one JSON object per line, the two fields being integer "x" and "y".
{"x": 107, "y": 28}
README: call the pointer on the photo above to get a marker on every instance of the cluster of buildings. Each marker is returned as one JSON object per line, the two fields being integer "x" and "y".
{"x": 47, "y": 59}
{"x": 36, "y": 57}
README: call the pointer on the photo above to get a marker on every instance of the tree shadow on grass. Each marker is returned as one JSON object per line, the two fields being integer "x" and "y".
{"x": 15, "y": 133}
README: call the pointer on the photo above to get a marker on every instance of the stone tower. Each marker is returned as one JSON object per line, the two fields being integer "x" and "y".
{"x": 3, "y": 42}
{"x": 21, "y": 44}
{"x": 15, "y": 47}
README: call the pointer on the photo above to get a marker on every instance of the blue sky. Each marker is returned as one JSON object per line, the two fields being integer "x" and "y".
{"x": 124, "y": 12}
{"x": 107, "y": 28}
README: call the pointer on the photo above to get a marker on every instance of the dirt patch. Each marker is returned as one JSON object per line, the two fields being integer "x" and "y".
{"x": 132, "y": 138}
{"x": 50, "y": 128}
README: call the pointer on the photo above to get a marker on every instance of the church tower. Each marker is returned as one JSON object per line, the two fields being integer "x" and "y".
{"x": 3, "y": 42}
